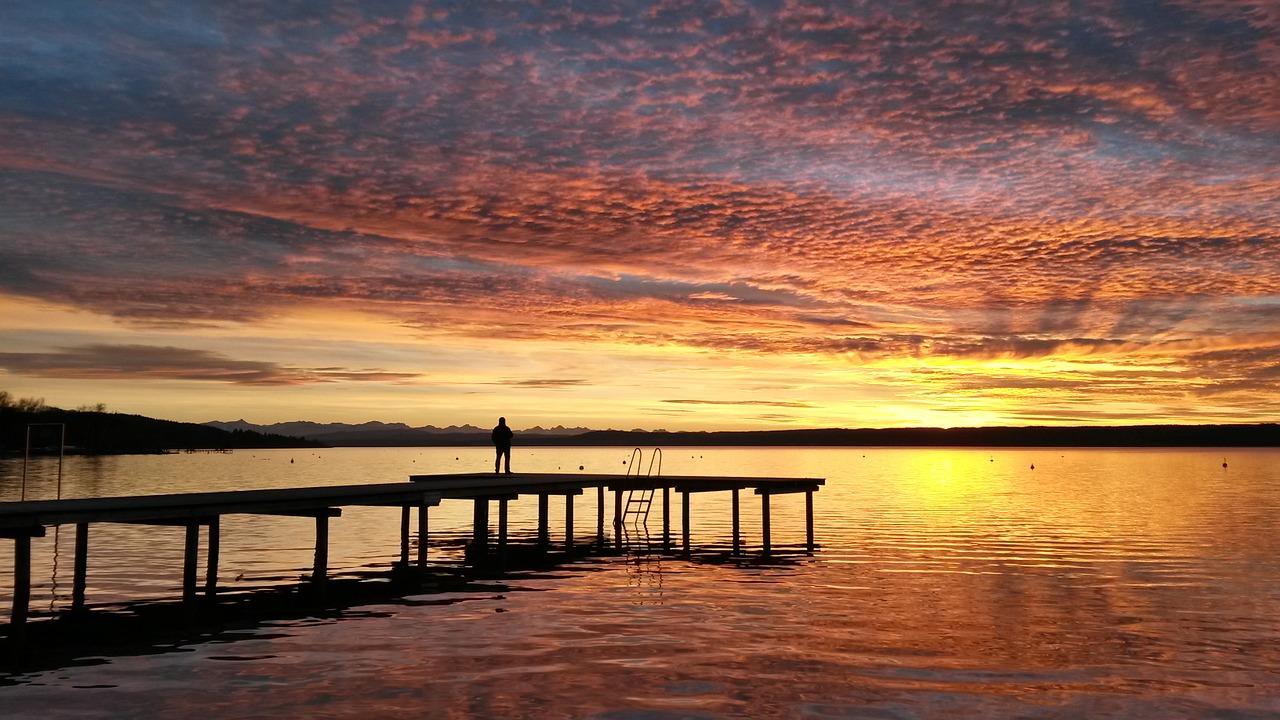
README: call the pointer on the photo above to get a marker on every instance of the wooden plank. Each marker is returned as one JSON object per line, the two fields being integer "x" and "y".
{"x": 27, "y": 531}
{"x": 180, "y": 507}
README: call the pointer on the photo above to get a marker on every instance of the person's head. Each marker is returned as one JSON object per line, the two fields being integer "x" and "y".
{"x": 502, "y": 421}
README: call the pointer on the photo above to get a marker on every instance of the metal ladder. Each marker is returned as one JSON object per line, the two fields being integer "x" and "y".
{"x": 640, "y": 499}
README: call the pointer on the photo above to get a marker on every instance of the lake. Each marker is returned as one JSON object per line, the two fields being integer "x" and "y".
{"x": 949, "y": 583}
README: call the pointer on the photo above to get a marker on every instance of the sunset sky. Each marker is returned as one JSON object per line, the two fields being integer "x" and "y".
{"x": 679, "y": 215}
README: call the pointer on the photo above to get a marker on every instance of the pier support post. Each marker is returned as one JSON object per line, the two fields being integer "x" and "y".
{"x": 600, "y": 517}
{"x": 568, "y": 524}
{"x": 81, "y": 572}
{"x": 808, "y": 519}
{"x": 480, "y": 527}
{"x": 737, "y": 524}
{"x": 764, "y": 522}
{"x": 404, "y": 535}
{"x": 189, "y": 560}
{"x": 211, "y": 563}
{"x": 21, "y": 586}
{"x": 666, "y": 518}
{"x": 544, "y": 533}
{"x": 502, "y": 534}
{"x": 684, "y": 520}
{"x": 617, "y": 519}
{"x": 320, "y": 570}
{"x": 423, "y": 543}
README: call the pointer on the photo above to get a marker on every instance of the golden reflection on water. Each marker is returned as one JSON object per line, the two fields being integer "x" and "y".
{"x": 949, "y": 583}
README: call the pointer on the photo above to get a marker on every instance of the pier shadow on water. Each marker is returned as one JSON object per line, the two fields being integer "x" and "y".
{"x": 461, "y": 573}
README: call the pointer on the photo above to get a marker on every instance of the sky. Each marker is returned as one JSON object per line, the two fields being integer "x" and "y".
{"x": 659, "y": 215}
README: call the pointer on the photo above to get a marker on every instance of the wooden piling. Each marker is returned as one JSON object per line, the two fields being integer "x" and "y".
{"x": 480, "y": 527}
{"x": 684, "y": 520}
{"x": 81, "y": 573}
{"x": 404, "y": 535}
{"x": 190, "y": 559}
{"x": 544, "y": 532}
{"x": 600, "y": 517}
{"x": 320, "y": 571}
{"x": 764, "y": 522}
{"x": 808, "y": 519}
{"x": 423, "y": 542}
{"x": 666, "y": 518}
{"x": 737, "y": 524}
{"x": 502, "y": 532}
{"x": 617, "y": 519}
{"x": 211, "y": 563}
{"x": 568, "y": 523}
{"x": 21, "y": 584}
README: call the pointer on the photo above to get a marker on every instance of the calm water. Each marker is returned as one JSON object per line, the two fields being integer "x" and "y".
{"x": 951, "y": 583}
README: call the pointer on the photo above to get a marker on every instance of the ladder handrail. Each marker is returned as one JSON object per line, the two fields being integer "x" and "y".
{"x": 656, "y": 455}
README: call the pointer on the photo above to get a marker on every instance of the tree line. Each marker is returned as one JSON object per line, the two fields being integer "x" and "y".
{"x": 93, "y": 430}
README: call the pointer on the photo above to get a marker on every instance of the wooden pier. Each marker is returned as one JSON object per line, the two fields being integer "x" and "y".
{"x": 22, "y": 521}
{"x": 486, "y": 487}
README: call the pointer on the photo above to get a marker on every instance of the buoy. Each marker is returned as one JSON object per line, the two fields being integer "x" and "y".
{"x": 579, "y": 467}
{"x": 290, "y": 460}
{"x": 1033, "y": 466}
{"x": 1224, "y": 462}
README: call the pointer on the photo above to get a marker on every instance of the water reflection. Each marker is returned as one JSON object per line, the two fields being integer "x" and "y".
{"x": 949, "y": 583}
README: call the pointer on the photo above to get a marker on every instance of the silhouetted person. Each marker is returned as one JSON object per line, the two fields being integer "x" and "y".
{"x": 502, "y": 444}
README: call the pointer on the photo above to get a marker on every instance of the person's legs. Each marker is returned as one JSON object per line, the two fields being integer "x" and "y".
{"x": 506, "y": 453}
{"x": 497, "y": 459}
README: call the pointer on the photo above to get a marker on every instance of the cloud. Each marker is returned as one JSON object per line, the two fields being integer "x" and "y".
{"x": 771, "y": 403}
{"x": 545, "y": 383}
{"x": 849, "y": 180}
{"x": 133, "y": 362}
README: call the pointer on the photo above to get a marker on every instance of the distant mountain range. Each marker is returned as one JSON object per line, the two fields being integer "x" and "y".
{"x": 393, "y": 434}
{"x": 398, "y": 434}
